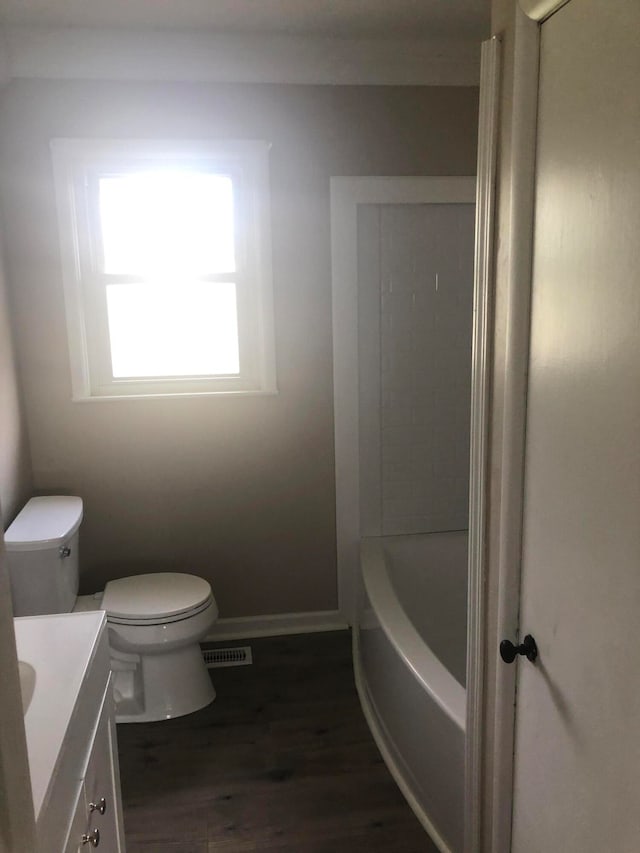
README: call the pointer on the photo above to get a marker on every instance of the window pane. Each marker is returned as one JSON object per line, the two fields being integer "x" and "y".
{"x": 173, "y": 330}
{"x": 163, "y": 223}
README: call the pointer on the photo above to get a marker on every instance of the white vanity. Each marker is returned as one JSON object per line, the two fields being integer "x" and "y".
{"x": 70, "y": 730}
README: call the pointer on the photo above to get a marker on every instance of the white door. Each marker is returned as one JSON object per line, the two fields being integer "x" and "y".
{"x": 577, "y": 741}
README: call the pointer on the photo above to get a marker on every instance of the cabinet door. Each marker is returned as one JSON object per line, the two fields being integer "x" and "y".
{"x": 78, "y": 825}
{"x": 102, "y": 782}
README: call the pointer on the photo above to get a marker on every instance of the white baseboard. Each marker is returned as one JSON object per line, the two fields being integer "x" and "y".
{"x": 244, "y": 627}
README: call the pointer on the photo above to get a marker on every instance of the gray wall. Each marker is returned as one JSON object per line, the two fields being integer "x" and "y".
{"x": 15, "y": 467}
{"x": 16, "y": 803}
{"x": 240, "y": 491}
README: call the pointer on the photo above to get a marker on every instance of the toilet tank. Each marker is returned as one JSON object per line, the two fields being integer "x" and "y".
{"x": 42, "y": 554}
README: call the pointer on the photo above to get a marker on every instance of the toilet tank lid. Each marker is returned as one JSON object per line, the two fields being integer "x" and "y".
{"x": 44, "y": 522}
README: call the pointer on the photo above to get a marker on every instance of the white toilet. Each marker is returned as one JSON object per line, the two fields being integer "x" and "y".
{"x": 155, "y": 621}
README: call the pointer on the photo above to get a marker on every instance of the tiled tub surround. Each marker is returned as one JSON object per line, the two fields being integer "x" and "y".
{"x": 415, "y": 300}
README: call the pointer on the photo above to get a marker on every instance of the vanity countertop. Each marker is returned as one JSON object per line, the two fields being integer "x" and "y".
{"x": 62, "y": 649}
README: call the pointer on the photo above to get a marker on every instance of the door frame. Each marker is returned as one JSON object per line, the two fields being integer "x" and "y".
{"x": 347, "y": 193}
{"x": 490, "y": 791}
{"x": 490, "y": 68}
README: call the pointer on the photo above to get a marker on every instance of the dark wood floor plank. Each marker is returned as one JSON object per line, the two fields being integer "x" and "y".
{"x": 282, "y": 761}
{"x": 175, "y": 847}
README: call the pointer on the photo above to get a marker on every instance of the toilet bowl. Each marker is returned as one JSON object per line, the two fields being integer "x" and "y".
{"x": 155, "y": 621}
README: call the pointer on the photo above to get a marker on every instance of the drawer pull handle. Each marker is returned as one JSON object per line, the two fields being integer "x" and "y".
{"x": 93, "y": 839}
{"x": 100, "y": 806}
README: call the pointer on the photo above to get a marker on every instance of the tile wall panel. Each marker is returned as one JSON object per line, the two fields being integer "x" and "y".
{"x": 415, "y": 299}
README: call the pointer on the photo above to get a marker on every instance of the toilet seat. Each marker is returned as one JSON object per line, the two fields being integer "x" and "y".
{"x": 155, "y": 599}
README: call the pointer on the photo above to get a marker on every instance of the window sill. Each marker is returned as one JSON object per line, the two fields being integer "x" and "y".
{"x": 107, "y": 398}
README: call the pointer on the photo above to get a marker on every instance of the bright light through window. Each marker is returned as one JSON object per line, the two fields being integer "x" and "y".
{"x": 166, "y": 330}
{"x": 167, "y": 223}
{"x": 169, "y": 227}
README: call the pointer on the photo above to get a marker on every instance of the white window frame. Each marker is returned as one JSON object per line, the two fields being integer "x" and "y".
{"x": 76, "y": 165}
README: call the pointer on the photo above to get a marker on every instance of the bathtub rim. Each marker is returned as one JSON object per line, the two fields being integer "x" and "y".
{"x": 431, "y": 673}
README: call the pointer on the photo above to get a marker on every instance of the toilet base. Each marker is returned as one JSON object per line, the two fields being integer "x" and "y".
{"x": 152, "y": 687}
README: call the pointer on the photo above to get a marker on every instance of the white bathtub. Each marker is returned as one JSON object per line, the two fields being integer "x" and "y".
{"x": 410, "y": 660}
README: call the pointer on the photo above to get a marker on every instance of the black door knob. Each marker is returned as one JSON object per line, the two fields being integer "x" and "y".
{"x": 527, "y": 647}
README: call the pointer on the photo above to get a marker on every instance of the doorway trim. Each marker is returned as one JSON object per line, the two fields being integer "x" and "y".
{"x": 495, "y": 751}
{"x": 509, "y": 452}
{"x": 540, "y": 10}
{"x": 490, "y": 67}
{"x": 346, "y": 195}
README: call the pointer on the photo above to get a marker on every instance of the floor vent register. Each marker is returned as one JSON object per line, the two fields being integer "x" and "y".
{"x": 238, "y": 656}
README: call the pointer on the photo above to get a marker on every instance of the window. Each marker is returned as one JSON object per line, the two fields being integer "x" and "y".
{"x": 166, "y": 258}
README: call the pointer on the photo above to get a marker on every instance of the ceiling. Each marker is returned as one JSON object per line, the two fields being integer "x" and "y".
{"x": 334, "y": 18}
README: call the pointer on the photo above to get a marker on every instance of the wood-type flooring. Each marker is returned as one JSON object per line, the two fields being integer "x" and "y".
{"x": 281, "y": 762}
